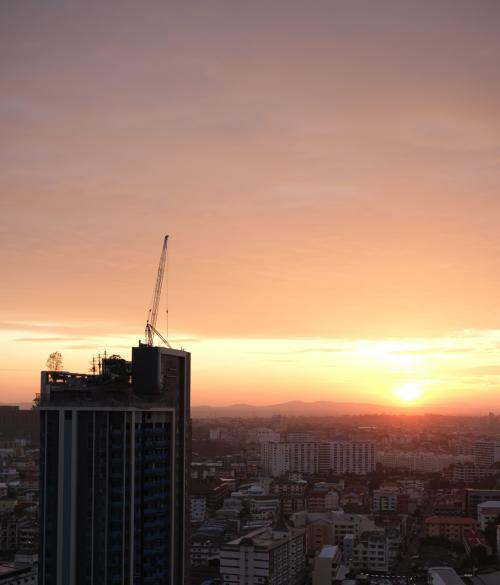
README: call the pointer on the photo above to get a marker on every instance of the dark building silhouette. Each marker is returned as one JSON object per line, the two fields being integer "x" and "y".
{"x": 16, "y": 423}
{"x": 114, "y": 465}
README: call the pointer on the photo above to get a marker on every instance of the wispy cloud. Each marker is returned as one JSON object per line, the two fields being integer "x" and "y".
{"x": 323, "y": 350}
{"x": 44, "y": 339}
{"x": 436, "y": 350}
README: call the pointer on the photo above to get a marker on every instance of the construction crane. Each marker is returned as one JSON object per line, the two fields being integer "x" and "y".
{"x": 151, "y": 330}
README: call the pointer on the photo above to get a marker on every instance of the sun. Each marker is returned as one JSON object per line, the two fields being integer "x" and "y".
{"x": 408, "y": 392}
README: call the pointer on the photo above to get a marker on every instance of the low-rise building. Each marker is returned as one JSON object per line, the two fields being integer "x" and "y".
{"x": 443, "y": 576}
{"x": 488, "y": 512}
{"x": 330, "y": 527}
{"x": 385, "y": 500}
{"x": 23, "y": 571}
{"x": 264, "y": 556}
{"x": 474, "y": 497}
{"x": 326, "y": 565}
{"x": 448, "y": 527}
{"x": 370, "y": 553}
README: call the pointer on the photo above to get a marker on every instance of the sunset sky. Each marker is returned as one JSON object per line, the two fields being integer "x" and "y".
{"x": 328, "y": 171}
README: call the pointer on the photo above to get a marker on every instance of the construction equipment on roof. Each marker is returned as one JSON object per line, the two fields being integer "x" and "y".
{"x": 151, "y": 330}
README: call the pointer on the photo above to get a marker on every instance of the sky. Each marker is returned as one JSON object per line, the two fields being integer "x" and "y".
{"x": 328, "y": 172}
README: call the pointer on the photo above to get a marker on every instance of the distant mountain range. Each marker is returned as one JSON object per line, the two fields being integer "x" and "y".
{"x": 320, "y": 408}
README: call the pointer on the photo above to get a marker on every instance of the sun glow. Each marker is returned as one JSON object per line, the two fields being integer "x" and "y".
{"x": 408, "y": 392}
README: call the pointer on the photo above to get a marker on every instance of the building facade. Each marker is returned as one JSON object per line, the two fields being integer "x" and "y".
{"x": 486, "y": 452}
{"x": 114, "y": 470}
{"x": 448, "y": 527}
{"x": 264, "y": 556}
{"x": 474, "y": 497}
{"x": 310, "y": 458}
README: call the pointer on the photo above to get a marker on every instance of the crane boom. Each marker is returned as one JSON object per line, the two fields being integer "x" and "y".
{"x": 155, "y": 303}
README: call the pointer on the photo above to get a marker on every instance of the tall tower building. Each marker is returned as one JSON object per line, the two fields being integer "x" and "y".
{"x": 115, "y": 450}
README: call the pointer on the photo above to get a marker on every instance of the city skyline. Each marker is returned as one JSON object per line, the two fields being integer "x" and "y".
{"x": 328, "y": 174}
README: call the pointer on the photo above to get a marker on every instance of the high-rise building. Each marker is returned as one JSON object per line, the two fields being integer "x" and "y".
{"x": 114, "y": 468}
{"x": 486, "y": 452}
{"x": 312, "y": 457}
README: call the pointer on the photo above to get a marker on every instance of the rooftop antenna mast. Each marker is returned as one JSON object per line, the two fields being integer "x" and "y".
{"x": 151, "y": 330}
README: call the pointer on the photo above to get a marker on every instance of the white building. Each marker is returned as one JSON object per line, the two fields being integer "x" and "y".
{"x": 314, "y": 457}
{"x": 486, "y": 452}
{"x": 487, "y": 512}
{"x": 264, "y": 435}
{"x": 351, "y": 457}
{"x": 370, "y": 553}
{"x": 264, "y": 556}
{"x": 280, "y": 458}
{"x": 424, "y": 462}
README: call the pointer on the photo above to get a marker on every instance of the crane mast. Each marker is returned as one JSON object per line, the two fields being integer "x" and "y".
{"x": 155, "y": 303}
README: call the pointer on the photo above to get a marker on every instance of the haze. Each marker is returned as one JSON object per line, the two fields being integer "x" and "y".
{"x": 328, "y": 172}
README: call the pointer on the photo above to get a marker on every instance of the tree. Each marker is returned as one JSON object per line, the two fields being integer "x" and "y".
{"x": 54, "y": 362}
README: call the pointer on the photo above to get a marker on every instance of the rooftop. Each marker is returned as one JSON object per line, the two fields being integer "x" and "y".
{"x": 446, "y": 575}
{"x": 450, "y": 520}
{"x": 329, "y": 551}
{"x": 489, "y": 505}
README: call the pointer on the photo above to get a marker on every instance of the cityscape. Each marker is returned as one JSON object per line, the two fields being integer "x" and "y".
{"x": 249, "y": 315}
{"x": 381, "y": 498}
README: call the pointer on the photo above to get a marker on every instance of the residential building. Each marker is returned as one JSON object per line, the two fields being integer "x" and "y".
{"x": 199, "y": 511}
{"x": 356, "y": 457}
{"x": 422, "y": 462}
{"x": 339, "y": 457}
{"x": 385, "y": 500}
{"x": 488, "y": 512}
{"x": 291, "y": 494}
{"x": 280, "y": 458}
{"x": 330, "y": 527}
{"x": 114, "y": 472}
{"x": 486, "y": 452}
{"x": 443, "y": 576}
{"x": 326, "y": 565}
{"x": 448, "y": 527}
{"x": 474, "y": 497}
{"x": 264, "y": 556}
{"x": 370, "y": 552}
{"x": 207, "y": 496}
{"x": 467, "y": 473}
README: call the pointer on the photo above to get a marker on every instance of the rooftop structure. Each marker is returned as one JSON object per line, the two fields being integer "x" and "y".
{"x": 444, "y": 576}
